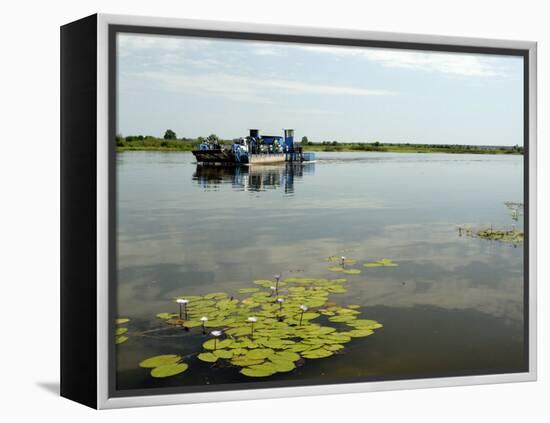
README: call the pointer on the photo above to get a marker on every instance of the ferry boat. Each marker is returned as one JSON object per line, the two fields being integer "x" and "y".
{"x": 253, "y": 149}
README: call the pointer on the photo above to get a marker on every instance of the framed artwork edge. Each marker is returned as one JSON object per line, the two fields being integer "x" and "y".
{"x": 96, "y": 391}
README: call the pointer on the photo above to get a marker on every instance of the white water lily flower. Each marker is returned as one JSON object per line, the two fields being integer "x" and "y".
{"x": 272, "y": 288}
{"x": 216, "y": 333}
{"x": 182, "y": 301}
{"x": 303, "y": 307}
{"x": 252, "y": 319}
{"x": 204, "y": 319}
{"x": 280, "y": 300}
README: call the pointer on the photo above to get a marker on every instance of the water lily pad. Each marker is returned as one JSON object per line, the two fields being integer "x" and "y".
{"x": 215, "y": 295}
{"x": 259, "y": 353}
{"x": 213, "y": 343}
{"x": 335, "y": 268}
{"x": 285, "y": 355}
{"x": 336, "y": 259}
{"x": 122, "y": 320}
{"x": 169, "y": 370}
{"x": 299, "y": 347}
{"x": 333, "y": 347}
{"x": 264, "y": 282}
{"x": 272, "y": 343}
{"x": 382, "y": 263}
{"x": 190, "y": 298}
{"x": 191, "y": 323}
{"x": 208, "y": 357}
{"x": 351, "y": 272}
{"x": 259, "y": 370}
{"x": 120, "y": 339}
{"x": 223, "y": 353}
{"x": 160, "y": 360}
{"x": 310, "y": 316}
{"x": 341, "y": 318}
{"x": 245, "y": 362}
{"x": 282, "y": 366}
{"x": 248, "y": 290}
{"x": 121, "y": 331}
{"x": 166, "y": 316}
{"x": 359, "y": 333}
{"x": 365, "y": 324}
{"x": 317, "y": 353}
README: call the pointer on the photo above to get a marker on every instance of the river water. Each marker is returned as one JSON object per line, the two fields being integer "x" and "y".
{"x": 453, "y": 306}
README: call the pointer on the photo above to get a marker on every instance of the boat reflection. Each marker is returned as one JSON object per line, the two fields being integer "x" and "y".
{"x": 252, "y": 178}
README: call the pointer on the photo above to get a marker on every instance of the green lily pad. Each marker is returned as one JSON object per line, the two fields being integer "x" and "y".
{"x": 191, "y": 323}
{"x": 259, "y": 370}
{"x": 121, "y": 331}
{"x": 208, "y": 357}
{"x": 122, "y": 320}
{"x": 248, "y": 290}
{"x": 264, "y": 282}
{"x": 169, "y": 370}
{"x": 365, "y": 324}
{"x": 341, "y": 319}
{"x": 166, "y": 316}
{"x": 317, "y": 353}
{"x": 285, "y": 355}
{"x": 160, "y": 360}
{"x": 215, "y": 295}
{"x": 216, "y": 344}
{"x": 309, "y": 316}
{"x": 245, "y": 362}
{"x": 351, "y": 272}
{"x": 382, "y": 263}
{"x": 223, "y": 353}
{"x": 190, "y": 298}
{"x": 282, "y": 366}
{"x": 359, "y": 333}
{"x": 335, "y": 268}
{"x": 120, "y": 339}
{"x": 333, "y": 347}
{"x": 259, "y": 353}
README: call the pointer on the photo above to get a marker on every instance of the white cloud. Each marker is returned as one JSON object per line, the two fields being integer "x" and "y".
{"x": 160, "y": 42}
{"x": 458, "y": 64}
{"x": 449, "y": 63}
{"x": 253, "y": 89}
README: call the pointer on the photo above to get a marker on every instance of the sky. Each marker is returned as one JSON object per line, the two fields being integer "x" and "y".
{"x": 202, "y": 86}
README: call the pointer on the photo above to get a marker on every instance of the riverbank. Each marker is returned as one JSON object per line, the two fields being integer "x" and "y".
{"x": 158, "y": 144}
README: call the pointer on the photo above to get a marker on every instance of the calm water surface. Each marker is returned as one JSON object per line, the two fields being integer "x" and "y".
{"x": 454, "y": 305}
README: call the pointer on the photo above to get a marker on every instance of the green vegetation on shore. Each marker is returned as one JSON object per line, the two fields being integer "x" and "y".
{"x": 171, "y": 143}
{"x": 411, "y": 148}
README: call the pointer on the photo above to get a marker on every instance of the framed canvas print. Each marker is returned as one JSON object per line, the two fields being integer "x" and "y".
{"x": 254, "y": 211}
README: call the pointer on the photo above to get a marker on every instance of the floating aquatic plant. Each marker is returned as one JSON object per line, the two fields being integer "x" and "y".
{"x": 342, "y": 260}
{"x": 513, "y": 235}
{"x": 120, "y": 339}
{"x": 381, "y": 263}
{"x": 120, "y": 331}
{"x": 265, "y": 335}
{"x": 169, "y": 370}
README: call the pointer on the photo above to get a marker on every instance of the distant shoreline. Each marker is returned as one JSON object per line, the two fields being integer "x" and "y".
{"x": 158, "y": 144}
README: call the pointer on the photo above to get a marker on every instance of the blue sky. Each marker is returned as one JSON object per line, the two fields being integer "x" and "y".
{"x": 199, "y": 86}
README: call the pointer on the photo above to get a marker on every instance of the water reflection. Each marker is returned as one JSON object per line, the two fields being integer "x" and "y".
{"x": 254, "y": 178}
{"x": 454, "y": 305}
